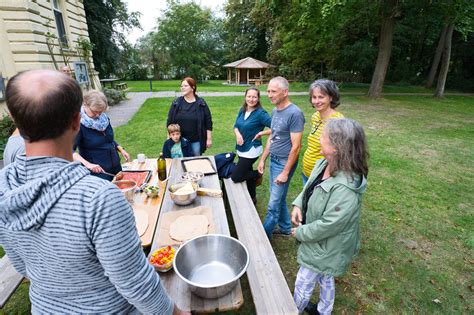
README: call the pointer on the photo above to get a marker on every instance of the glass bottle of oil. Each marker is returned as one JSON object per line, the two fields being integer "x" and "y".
{"x": 161, "y": 167}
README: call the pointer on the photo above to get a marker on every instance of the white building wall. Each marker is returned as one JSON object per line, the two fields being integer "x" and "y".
{"x": 24, "y": 25}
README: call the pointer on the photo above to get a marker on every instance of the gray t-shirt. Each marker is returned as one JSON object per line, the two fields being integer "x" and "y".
{"x": 14, "y": 147}
{"x": 285, "y": 121}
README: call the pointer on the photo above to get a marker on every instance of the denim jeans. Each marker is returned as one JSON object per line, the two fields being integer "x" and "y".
{"x": 277, "y": 211}
{"x": 196, "y": 148}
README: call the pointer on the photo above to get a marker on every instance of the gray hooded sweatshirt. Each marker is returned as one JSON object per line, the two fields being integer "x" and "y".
{"x": 73, "y": 236}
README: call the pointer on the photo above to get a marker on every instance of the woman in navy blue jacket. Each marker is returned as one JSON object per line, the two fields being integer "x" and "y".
{"x": 248, "y": 129}
{"x": 98, "y": 150}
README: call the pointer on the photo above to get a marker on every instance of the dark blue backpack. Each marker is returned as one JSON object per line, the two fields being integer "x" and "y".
{"x": 225, "y": 164}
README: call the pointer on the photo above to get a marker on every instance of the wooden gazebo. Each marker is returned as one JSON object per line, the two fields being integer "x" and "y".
{"x": 247, "y": 71}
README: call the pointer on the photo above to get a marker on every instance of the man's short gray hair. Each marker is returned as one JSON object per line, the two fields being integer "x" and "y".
{"x": 281, "y": 81}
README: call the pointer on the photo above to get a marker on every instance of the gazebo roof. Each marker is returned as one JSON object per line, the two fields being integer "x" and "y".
{"x": 248, "y": 63}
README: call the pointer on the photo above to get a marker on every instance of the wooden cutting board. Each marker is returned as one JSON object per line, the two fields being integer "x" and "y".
{"x": 164, "y": 238}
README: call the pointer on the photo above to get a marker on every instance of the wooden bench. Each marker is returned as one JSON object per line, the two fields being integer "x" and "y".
{"x": 270, "y": 291}
{"x": 9, "y": 280}
{"x": 121, "y": 86}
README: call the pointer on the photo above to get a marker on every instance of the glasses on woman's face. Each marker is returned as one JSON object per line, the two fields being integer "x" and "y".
{"x": 93, "y": 113}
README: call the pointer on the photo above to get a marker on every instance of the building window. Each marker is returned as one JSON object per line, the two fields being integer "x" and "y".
{"x": 58, "y": 16}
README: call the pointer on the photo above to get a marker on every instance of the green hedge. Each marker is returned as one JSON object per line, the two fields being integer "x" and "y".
{"x": 6, "y": 128}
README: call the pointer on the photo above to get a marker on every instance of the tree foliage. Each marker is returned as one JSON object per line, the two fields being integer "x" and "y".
{"x": 107, "y": 22}
{"x": 336, "y": 39}
{"x": 340, "y": 39}
{"x": 189, "y": 39}
{"x": 243, "y": 36}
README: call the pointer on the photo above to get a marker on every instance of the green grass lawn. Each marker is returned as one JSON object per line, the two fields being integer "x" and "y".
{"x": 207, "y": 86}
{"x": 417, "y": 216}
{"x": 218, "y": 86}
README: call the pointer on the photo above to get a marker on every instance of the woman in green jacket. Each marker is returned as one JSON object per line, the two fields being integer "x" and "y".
{"x": 327, "y": 212}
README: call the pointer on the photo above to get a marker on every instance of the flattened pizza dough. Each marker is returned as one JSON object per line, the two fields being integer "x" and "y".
{"x": 141, "y": 219}
{"x": 188, "y": 226}
{"x": 199, "y": 165}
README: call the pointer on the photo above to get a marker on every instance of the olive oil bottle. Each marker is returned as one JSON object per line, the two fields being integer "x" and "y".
{"x": 161, "y": 167}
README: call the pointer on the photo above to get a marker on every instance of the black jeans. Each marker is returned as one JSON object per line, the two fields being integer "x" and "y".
{"x": 244, "y": 171}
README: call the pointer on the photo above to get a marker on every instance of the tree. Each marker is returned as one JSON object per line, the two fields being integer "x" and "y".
{"x": 107, "y": 21}
{"x": 437, "y": 57}
{"x": 243, "y": 37}
{"x": 389, "y": 10}
{"x": 191, "y": 37}
{"x": 443, "y": 72}
{"x": 459, "y": 14}
{"x": 132, "y": 63}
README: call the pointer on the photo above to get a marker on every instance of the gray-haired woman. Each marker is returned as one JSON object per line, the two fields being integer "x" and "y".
{"x": 98, "y": 150}
{"x": 327, "y": 213}
{"x": 324, "y": 97}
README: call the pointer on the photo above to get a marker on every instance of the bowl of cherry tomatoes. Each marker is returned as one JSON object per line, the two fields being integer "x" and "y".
{"x": 162, "y": 258}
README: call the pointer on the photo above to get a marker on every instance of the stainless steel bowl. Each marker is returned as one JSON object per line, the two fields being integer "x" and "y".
{"x": 211, "y": 264}
{"x": 183, "y": 199}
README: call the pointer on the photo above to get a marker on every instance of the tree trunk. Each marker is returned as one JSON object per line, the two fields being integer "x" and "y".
{"x": 385, "y": 48}
{"x": 437, "y": 57}
{"x": 443, "y": 71}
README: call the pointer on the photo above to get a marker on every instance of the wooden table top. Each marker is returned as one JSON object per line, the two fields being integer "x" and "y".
{"x": 150, "y": 205}
{"x": 178, "y": 289}
{"x": 108, "y": 80}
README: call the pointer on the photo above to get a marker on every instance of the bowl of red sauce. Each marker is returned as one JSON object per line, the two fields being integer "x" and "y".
{"x": 127, "y": 187}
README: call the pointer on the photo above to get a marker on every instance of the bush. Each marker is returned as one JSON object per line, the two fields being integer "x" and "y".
{"x": 114, "y": 96}
{"x": 6, "y": 128}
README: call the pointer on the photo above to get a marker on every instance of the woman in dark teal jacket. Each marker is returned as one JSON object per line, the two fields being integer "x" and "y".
{"x": 248, "y": 129}
{"x": 327, "y": 212}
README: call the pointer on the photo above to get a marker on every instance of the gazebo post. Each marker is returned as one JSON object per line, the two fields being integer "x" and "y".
{"x": 238, "y": 76}
{"x": 229, "y": 78}
{"x": 248, "y": 70}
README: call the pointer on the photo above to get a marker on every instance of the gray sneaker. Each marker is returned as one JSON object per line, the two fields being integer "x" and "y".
{"x": 278, "y": 232}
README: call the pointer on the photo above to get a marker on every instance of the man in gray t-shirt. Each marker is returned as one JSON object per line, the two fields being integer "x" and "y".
{"x": 284, "y": 122}
{"x": 15, "y": 146}
{"x": 283, "y": 146}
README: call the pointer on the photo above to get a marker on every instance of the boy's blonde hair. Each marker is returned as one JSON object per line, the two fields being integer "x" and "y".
{"x": 174, "y": 128}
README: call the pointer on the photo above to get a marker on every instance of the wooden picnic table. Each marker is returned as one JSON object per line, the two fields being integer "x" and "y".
{"x": 141, "y": 201}
{"x": 178, "y": 290}
{"x": 111, "y": 81}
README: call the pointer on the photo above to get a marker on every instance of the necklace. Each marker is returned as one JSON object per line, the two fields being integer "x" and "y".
{"x": 315, "y": 128}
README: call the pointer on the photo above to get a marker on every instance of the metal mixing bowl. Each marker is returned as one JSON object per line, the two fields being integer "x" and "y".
{"x": 183, "y": 199}
{"x": 211, "y": 264}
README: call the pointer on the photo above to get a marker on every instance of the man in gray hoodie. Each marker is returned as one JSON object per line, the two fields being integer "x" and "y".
{"x": 71, "y": 234}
